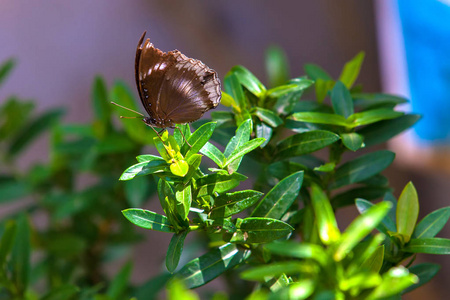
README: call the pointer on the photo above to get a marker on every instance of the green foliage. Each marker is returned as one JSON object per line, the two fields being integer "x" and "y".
{"x": 281, "y": 236}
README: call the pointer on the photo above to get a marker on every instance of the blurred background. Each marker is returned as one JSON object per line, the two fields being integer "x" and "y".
{"x": 61, "y": 46}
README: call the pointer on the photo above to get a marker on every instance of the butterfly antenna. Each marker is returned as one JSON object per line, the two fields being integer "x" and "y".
{"x": 127, "y": 109}
{"x": 183, "y": 136}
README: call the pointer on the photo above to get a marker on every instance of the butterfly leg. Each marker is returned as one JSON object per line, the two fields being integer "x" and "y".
{"x": 183, "y": 136}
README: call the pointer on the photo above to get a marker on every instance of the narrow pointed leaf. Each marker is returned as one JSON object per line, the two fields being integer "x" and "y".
{"x": 268, "y": 116}
{"x": 362, "y": 168}
{"x": 183, "y": 195}
{"x": 148, "y": 219}
{"x": 230, "y": 204}
{"x": 258, "y": 230}
{"x": 233, "y": 88}
{"x": 6, "y": 68}
{"x": 325, "y": 218}
{"x": 373, "y": 116}
{"x": 277, "y": 67}
{"x": 242, "y": 136}
{"x": 280, "y": 198}
{"x": 394, "y": 281}
{"x": 386, "y": 225}
{"x": 425, "y": 272}
{"x": 360, "y": 228}
{"x": 218, "y": 183}
{"x": 273, "y": 270}
{"x": 353, "y": 141}
{"x": 147, "y": 158}
{"x": 264, "y": 131}
{"x": 174, "y": 251}
{"x": 199, "y": 138}
{"x": 248, "y": 80}
{"x": 407, "y": 211}
{"x": 144, "y": 168}
{"x": 119, "y": 284}
{"x": 304, "y": 143}
{"x": 65, "y": 291}
{"x": 432, "y": 224}
{"x": 351, "y": 70}
{"x": 20, "y": 255}
{"x": 299, "y": 250}
{"x": 7, "y": 240}
{"x": 428, "y": 245}
{"x": 315, "y": 72}
{"x": 100, "y": 100}
{"x": 213, "y": 153}
{"x": 242, "y": 150}
{"x": 341, "y": 100}
{"x": 211, "y": 265}
{"x": 320, "y": 118}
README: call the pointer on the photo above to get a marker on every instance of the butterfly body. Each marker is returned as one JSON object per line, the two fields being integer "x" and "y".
{"x": 173, "y": 88}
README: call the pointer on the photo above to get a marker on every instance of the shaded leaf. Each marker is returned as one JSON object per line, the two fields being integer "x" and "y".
{"x": 428, "y": 245}
{"x": 258, "y": 230}
{"x": 174, "y": 251}
{"x": 407, "y": 211}
{"x": 230, "y": 204}
{"x": 432, "y": 224}
{"x": 148, "y": 219}
{"x": 341, "y": 100}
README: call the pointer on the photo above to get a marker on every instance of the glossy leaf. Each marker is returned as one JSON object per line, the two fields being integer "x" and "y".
{"x": 320, "y": 118}
{"x": 211, "y": 265}
{"x": 268, "y": 116}
{"x": 432, "y": 224}
{"x": 183, "y": 194}
{"x": 428, "y": 245}
{"x": 362, "y": 168}
{"x": 174, "y": 251}
{"x": 351, "y": 70}
{"x": 373, "y": 116}
{"x": 407, "y": 211}
{"x": 382, "y": 131}
{"x": 425, "y": 272}
{"x": 286, "y": 102}
{"x": 147, "y": 158}
{"x": 341, "y": 100}
{"x": 181, "y": 133}
{"x": 280, "y": 198}
{"x": 370, "y": 101}
{"x": 353, "y": 141}
{"x": 144, "y": 168}
{"x": 299, "y": 250}
{"x": 386, "y": 225}
{"x": 230, "y": 204}
{"x": 213, "y": 153}
{"x": 277, "y": 67}
{"x": 394, "y": 281}
{"x": 241, "y": 151}
{"x": 248, "y": 80}
{"x": 304, "y": 143}
{"x": 295, "y": 85}
{"x": 325, "y": 218}
{"x": 360, "y": 228}
{"x": 264, "y": 131}
{"x": 148, "y": 219}
{"x": 228, "y": 101}
{"x": 119, "y": 284}
{"x": 179, "y": 168}
{"x": 218, "y": 183}
{"x": 242, "y": 136}
{"x": 258, "y": 230}
{"x": 199, "y": 138}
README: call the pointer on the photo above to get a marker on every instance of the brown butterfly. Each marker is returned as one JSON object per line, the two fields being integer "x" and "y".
{"x": 174, "y": 89}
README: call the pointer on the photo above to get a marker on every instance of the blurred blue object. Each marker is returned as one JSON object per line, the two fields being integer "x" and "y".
{"x": 426, "y": 31}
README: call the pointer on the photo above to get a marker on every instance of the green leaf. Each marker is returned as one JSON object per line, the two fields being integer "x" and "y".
{"x": 13, "y": 189}
{"x": 213, "y": 153}
{"x": 218, "y": 183}
{"x": 150, "y": 289}
{"x": 242, "y": 136}
{"x": 7, "y": 240}
{"x": 286, "y": 102}
{"x": 148, "y": 219}
{"x": 181, "y": 133}
{"x": 144, "y": 168}
{"x": 20, "y": 255}
{"x": 432, "y": 224}
{"x": 33, "y": 129}
{"x": 323, "y": 87}
{"x": 14, "y": 114}
{"x": 351, "y": 70}
{"x": 428, "y": 245}
{"x": 172, "y": 208}
{"x": 360, "y": 228}
{"x": 273, "y": 270}
{"x": 6, "y": 68}
{"x": 362, "y": 168}
{"x": 425, "y": 272}
{"x": 249, "y": 81}
{"x": 387, "y": 224}
{"x": 119, "y": 284}
{"x": 394, "y": 281}
{"x": 382, "y": 131}
{"x": 100, "y": 101}
{"x": 277, "y": 66}
{"x": 342, "y": 100}
{"x": 233, "y": 88}
{"x": 370, "y": 101}
{"x": 199, "y": 138}
{"x": 293, "y": 86}
{"x": 304, "y": 143}
{"x": 138, "y": 190}
{"x": 258, "y": 230}
{"x": 407, "y": 211}
{"x": 375, "y": 261}
{"x": 183, "y": 195}
{"x": 268, "y": 116}
{"x": 174, "y": 251}
{"x": 65, "y": 291}
{"x": 147, "y": 158}
{"x": 176, "y": 290}
{"x": 264, "y": 131}
{"x": 280, "y": 198}
{"x": 211, "y": 265}
{"x": 228, "y": 101}
{"x": 315, "y": 72}
{"x": 299, "y": 250}
{"x": 320, "y": 118}
{"x": 365, "y": 192}
{"x": 353, "y": 141}
{"x": 373, "y": 116}
{"x": 240, "y": 152}
{"x": 230, "y": 204}
{"x": 179, "y": 168}
{"x": 326, "y": 221}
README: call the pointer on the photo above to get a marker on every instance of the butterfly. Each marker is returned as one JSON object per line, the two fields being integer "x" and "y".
{"x": 173, "y": 88}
